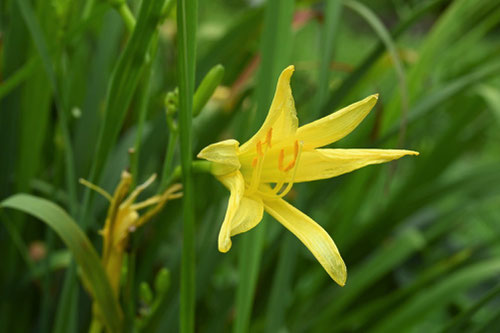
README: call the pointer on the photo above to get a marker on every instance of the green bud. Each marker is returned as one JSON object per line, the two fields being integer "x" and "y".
{"x": 207, "y": 88}
{"x": 145, "y": 293}
{"x": 162, "y": 281}
{"x": 172, "y": 102}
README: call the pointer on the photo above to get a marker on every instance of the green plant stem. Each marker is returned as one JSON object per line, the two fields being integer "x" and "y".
{"x": 186, "y": 27}
{"x": 145, "y": 92}
{"x": 166, "y": 177}
{"x": 329, "y": 37}
{"x": 127, "y": 16}
{"x": 95, "y": 325}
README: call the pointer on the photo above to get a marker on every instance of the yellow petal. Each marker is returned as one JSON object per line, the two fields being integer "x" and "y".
{"x": 334, "y": 127}
{"x": 312, "y": 235}
{"x": 235, "y": 183}
{"x": 282, "y": 117}
{"x": 328, "y": 163}
{"x": 249, "y": 214}
{"x": 224, "y": 155}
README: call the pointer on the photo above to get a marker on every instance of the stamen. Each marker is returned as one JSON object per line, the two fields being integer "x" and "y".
{"x": 276, "y": 189}
{"x": 96, "y": 188}
{"x": 280, "y": 159}
{"x": 259, "y": 148}
{"x": 269, "y": 136}
{"x": 295, "y": 153}
{"x": 151, "y": 201}
{"x": 257, "y": 164}
{"x": 298, "y": 152}
{"x": 135, "y": 193}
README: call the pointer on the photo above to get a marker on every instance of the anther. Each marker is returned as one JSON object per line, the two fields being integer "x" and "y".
{"x": 296, "y": 160}
{"x": 269, "y": 136}
{"x": 259, "y": 148}
{"x": 280, "y": 159}
{"x": 254, "y": 162}
{"x": 295, "y": 154}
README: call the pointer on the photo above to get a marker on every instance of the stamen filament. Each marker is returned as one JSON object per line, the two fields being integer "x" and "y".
{"x": 298, "y": 152}
{"x": 96, "y": 188}
{"x": 146, "y": 203}
{"x": 135, "y": 193}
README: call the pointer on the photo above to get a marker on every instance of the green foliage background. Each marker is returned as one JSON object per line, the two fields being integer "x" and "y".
{"x": 81, "y": 82}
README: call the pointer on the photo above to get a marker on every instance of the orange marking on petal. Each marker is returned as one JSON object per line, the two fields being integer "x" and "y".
{"x": 254, "y": 162}
{"x": 296, "y": 150}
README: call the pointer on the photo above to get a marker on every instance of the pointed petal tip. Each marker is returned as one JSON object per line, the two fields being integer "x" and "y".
{"x": 287, "y": 72}
{"x": 201, "y": 154}
{"x": 375, "y": 96}
{"x": 342, "y": 278}
{"x": 225, "y": 246}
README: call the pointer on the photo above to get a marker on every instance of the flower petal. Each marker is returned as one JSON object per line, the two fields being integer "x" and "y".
{"x": 312, "y": 235}
{"x": 282, "y": 117}
{"x": 328, "y": 163}
{"x": 224, "y": 154}
{"x": 334, "y": 127}
{"x": 249, "y": 214}
{"x": 235, "y": 183}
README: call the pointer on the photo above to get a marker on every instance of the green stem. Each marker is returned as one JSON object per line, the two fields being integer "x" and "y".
{"x": 166, "y": 178}
{"x": 145, "y": 92}
{"x": 95, "y": 325}
{"x": 127, "y": 16}
{"x": 186, "y": 27}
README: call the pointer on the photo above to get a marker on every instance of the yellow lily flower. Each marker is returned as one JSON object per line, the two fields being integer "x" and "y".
{"x": 262, "y": 171}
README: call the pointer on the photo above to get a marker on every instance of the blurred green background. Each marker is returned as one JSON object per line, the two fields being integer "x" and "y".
{"x": 419, "y": 236}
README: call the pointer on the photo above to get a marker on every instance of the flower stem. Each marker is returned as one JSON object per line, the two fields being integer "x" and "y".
{"x": 186, "y": 27}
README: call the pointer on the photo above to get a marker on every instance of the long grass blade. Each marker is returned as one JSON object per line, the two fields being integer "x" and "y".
{"x": 82, "y": 249}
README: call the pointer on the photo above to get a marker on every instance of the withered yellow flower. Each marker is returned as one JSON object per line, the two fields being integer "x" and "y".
{"x": 262, "y": 171}
{"x": 123, "y": 218}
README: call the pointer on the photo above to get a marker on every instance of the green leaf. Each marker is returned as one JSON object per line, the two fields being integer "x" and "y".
{"x": 83, "y": 251}
{"x": 436, "y": 296}
{"x": 122, "y": 86}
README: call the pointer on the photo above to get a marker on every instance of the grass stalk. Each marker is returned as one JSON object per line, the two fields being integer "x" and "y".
{"x": 186, "y": 27}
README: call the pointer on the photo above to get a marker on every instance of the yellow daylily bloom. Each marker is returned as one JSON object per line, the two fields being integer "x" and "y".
{"x": 260, "y": 172}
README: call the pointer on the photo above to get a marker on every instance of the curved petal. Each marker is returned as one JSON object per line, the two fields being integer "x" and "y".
{"x": 235, "y": 183}
{"x": 249, "y": 214}
{"x": 328, "y": 163}
{"x": 282, "y": 117}
{"x": 334, "y": 127}
{"x": 312, "y": 235}
{"x": 224, "y": 155}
